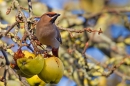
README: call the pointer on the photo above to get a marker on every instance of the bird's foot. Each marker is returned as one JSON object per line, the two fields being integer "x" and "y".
{"x": 46, "y": 55}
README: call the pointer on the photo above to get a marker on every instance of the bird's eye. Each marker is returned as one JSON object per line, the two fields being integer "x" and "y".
{"x": 51, "y": 15}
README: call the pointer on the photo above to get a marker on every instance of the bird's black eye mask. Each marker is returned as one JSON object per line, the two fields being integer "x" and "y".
{"x": 51, "y": 15}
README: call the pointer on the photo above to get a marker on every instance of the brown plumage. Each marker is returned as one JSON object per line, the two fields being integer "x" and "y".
{"x": 48, "y": 33}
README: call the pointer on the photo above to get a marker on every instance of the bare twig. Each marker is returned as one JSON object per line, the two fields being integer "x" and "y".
{"x": 122, "y": 75}
{"x": 81, "y": 31}
{"x": 23, "y": 8}
{"x": 115, "y": 67}
{"x": 30, "y": 8}
{"x": 24, "y": 18}
{"x": 6, "y": 67}
{"x": 6, "y": 58}
{"x": 10, "y": 28}
{"x": 108, "y": 10}
{"x": 8, "y": 10}
{"x": 85, "y": 48}
{"x": 112, "y": 69}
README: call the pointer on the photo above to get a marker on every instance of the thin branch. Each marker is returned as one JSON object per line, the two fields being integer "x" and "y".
{"x": 5, "y": 55}
{"x": 24, "y": 18}
{"x": 3, "y": 79}
{"x": 23, "y": 8}
{"x": 10, "y": 28}
{"x": 122, "y": 75}
{"x": 112, "y": 69}
{"x": 9, "y": 10}
{"x": 108, "y": 10}
{"x": 30, "y": 8}
{"x": 6, "y": 67}
{"x": 94, "y": 60}
{"x": 81, "y": 31}
{"x": 85, "y": 48}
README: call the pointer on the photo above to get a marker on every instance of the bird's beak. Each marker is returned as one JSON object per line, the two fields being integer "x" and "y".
{"x": 54, "y": 18}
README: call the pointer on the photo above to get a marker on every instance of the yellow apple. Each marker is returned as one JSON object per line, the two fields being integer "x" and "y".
{"x": 35, "y": 80}
{"x": 31, "y": 66}
{"x": 52, "y": 71}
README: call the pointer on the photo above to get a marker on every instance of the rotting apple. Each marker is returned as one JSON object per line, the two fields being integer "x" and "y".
{"x": 20, "y": 54}
{"x": 23, "y": 75}
{"x": 31, "y": 66}
{"x": 52, "y": 71}
{"x": 28, "y": 54}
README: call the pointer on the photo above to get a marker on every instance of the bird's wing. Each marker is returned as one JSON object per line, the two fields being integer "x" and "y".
{"x": 58, "y": 35}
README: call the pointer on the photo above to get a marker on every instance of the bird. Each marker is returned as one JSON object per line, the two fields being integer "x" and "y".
{"x": 48, "y": 33}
